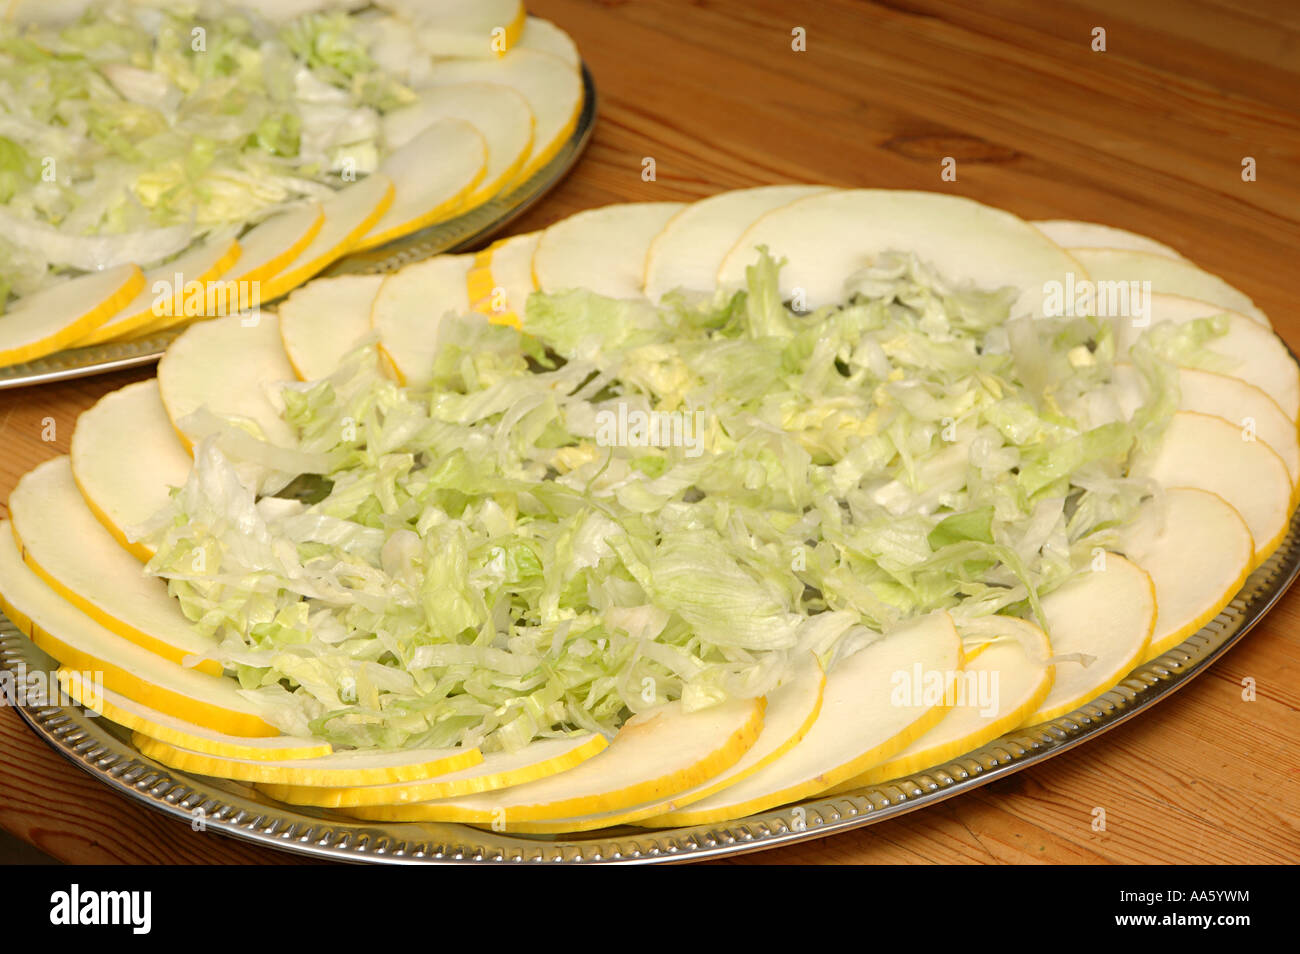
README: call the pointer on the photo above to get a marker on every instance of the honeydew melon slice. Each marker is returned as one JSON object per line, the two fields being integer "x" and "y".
{"x": 551, "y": 86}
{"x": 1167, "y": 276}
{"x": 1007, "y": 680}
{"x": 865, "y": 719}
{"x": 543, "y": 35}
{"x": 323, "y": 320}
{"x": 656, "y": 754}
{"x": 1232, "y": 399}
{"x": 230, "y": 366}
{"x": 349, "y": 214}
{"x": 1199, "y": 450}
{"x": 158, "y": 725}
{"x": 792, "y": 709}
{"x": 602, "y": 250}
{"x": 1198, "y": 552}
{"x": 501, "y": 278}
{"x": 353, "y": 767}
{"x": 499, "y": 113}
{"x": 434, "y": 174}
{"x": 408, "y": 307}
{"x": 126, "y": 458}
{"x": 78, "y": 642}
{"x": 1070, "y": 234}
{"x": 58, "y": 316}
{"x": 461, "y": 27}
{"x": 1104, "y": 618}
{"x": 689, "y": 250}
{"x": 68, "y": 548}
{"x": 1260, "y": 356}
{"x": 498, "y": 770}
{"x": 196, "y": 267}
{"x": 265, "y": 250}
{"x": 828, "y": 237}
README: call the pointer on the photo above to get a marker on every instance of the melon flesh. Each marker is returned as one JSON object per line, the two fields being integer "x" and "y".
{"x": 78, "y": 642}
{"x": 1167, "y": 276}
{"x": 1258, "y": 356}
{"x": 234, "y": 367}
{"x": 869, "y": 713}
{"x": 72, "y": 552}
{"x": 1099, "y": 623}
{"x": 325, "y": 319}
{"x": 691, "y": 247}
{"x": 499, "y": 113}
{"x": 552, "y": 87}
{"x": 602, "y": 250}
{"x": 828, "y": 237}
{"x": 656, "y": 754}
{"x": 1198, "y": 450}
{"x": 1198, "y": 552}
{"x": 409, "y": 306}
{"x": 1070, "y": 234}
{"x": 126, "y": 458}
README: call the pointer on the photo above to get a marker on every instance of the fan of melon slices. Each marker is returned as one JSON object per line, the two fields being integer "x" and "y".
{"x": 486, "y": 96}
{"x": 1215, "y": 489}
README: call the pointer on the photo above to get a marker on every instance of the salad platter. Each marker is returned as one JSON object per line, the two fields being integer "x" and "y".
{"x": 103, "y": 750}
{"x": 669, "y": 531}
{"x": 409, "y": 131}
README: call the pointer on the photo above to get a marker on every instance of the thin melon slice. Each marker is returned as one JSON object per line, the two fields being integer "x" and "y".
{"x": 830, "y": 236}
{"x": 498, "y": 770}
{"x": 1167, "y": 276}
{"x": 352, "y": 767}
{"x": 499, "y": 113}
{"x": 1100, "y": 624}
{"x": 1199, "y": 450}
{"x": 1007, "y": 680}
{"x": 78, "y": 642}
{"x": 602, "y": 250}
{"x": 62, "y": 314}
{"x": 1070, "y": 234}
{"x": 408, "y": 307}
{"x": 792, "y": 709}
{"x": 158, "y": 725}
{"x": 325, "y": 319}
{"x": 551, "y": 86}
{"x": 1232, "y": 399}
{"x": 865, "y": 719}
{"x": 349, "y": 214}
{"x": 543, "y": 35}
{"x": 265, "y": 250}
{"x": 230, "y": 366}
{"x": 691, "y": 247}
{"x": 461, "y": 27}
{"x": 1197, "y": 551}
{"x": 656, "y": 754}
{"x": 1259, "y": 355}
{"x": 501, "y": 278}
{"x": 68, "y": 548}
{"x": 435, "y": 173}
{"x": 190, "y": 272}
{"x": 126, "y": 458}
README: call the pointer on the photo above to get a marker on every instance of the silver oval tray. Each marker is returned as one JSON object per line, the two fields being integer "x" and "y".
{"x": 454, "y": 235}
{"x": 104, "y": 750}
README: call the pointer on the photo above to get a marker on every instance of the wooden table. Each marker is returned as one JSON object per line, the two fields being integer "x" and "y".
{"x": 1149, "y": 135}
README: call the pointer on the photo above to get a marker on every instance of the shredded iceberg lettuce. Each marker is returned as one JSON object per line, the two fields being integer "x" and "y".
{"x": 623, "y": 504}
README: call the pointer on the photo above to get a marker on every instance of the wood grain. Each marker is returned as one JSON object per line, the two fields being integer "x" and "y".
{"x": 1148, "y": 135}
